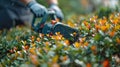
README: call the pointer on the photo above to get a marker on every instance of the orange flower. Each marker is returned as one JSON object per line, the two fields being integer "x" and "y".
{"x": 93, "y": 48}
{"x": 103, "y": 21}
{"x": 74, "y": 34}
{"x": 67, "y": 42}
{"x": 97, "y": 26}
{"x": 85, "y": 23}
{"x": 106, "y": 63}
{"x": 64, "y": 58}
{"x": 47, "y": 43}
{"x": 86, "y": 44}
{"x": 88, "y": 26}
{"x": 82, "y": 40}
{"x": 112, "y": 33}
{"x": 32, "y": 37}
{"x": 34, "y": 60}
{"x": 55, "y": 65}
{"x": 26, "y": 47}
{"x": 88, "y": 65}
{"x": 118, "y": 40}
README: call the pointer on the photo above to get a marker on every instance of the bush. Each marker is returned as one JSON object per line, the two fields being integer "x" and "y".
{"x": 98, "y": 45}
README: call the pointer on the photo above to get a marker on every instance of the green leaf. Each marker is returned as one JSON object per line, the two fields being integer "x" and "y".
{"x": 97, "y": 37}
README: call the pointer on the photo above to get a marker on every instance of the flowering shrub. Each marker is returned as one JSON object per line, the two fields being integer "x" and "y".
{"x": 98, "y": 45}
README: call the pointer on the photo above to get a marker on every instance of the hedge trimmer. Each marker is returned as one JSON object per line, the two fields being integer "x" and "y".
{"x": 51, "y": 28}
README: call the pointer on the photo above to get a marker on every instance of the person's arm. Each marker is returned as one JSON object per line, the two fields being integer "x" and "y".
{"x": 53, "y": 4}
{"x": 52, "y": 1}
{"x": 26, "y": 1}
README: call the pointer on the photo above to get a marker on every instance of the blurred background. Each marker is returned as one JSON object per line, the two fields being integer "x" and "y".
{"x": 77, "y": 7}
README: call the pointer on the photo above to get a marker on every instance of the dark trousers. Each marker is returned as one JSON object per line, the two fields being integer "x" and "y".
{"x": 14, "y": 15}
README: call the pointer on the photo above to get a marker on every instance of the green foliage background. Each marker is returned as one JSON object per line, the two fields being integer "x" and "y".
{"x": 74, "y": 7}
{"x": 67, "y": 6}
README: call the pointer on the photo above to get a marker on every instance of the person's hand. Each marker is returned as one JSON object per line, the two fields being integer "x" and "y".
{"x": 58, "y": 11}
{"x": 37, "y": 9}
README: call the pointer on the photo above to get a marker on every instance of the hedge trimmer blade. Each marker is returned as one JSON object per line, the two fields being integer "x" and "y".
{"x": 67, "y": 32}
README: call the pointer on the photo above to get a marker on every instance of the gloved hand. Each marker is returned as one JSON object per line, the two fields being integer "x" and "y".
{"x": 37, "y": 9}
{"x": 57, "y": 10}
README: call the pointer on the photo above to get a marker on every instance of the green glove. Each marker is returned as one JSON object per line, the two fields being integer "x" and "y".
{"x": 58, "y": 11}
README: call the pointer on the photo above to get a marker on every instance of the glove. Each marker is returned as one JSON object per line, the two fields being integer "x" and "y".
{"x": 57, "y": 10}
{"x": 37, "y": 9}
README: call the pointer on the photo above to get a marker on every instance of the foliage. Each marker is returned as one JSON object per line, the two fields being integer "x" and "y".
{"x": 98, "y": 45}
{"x": 106, "y": 11}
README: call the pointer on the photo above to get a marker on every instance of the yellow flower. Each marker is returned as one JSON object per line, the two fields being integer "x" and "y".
{"x": 32, "y": 51}
{"x": 108, "y": 26}
{"x": 117, "y": 27}
{"x": 32, "y": 38}
{"x": 55, "y": 59}
{"x": 77, "y": 44}
{"x": 33, "y": 44}
{"x": 104, "y": 28}
{"x": 58, "y": 36}
{"x": 115, "y": 21}
{"x": 70, "y": 23}
{"x": 85, "y": 23}
{"x": 38, "y": 39}
{"x": 93, "y": 19}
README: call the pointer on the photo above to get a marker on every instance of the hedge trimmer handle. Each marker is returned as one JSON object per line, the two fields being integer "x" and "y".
{"x": 40, "y": 25}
